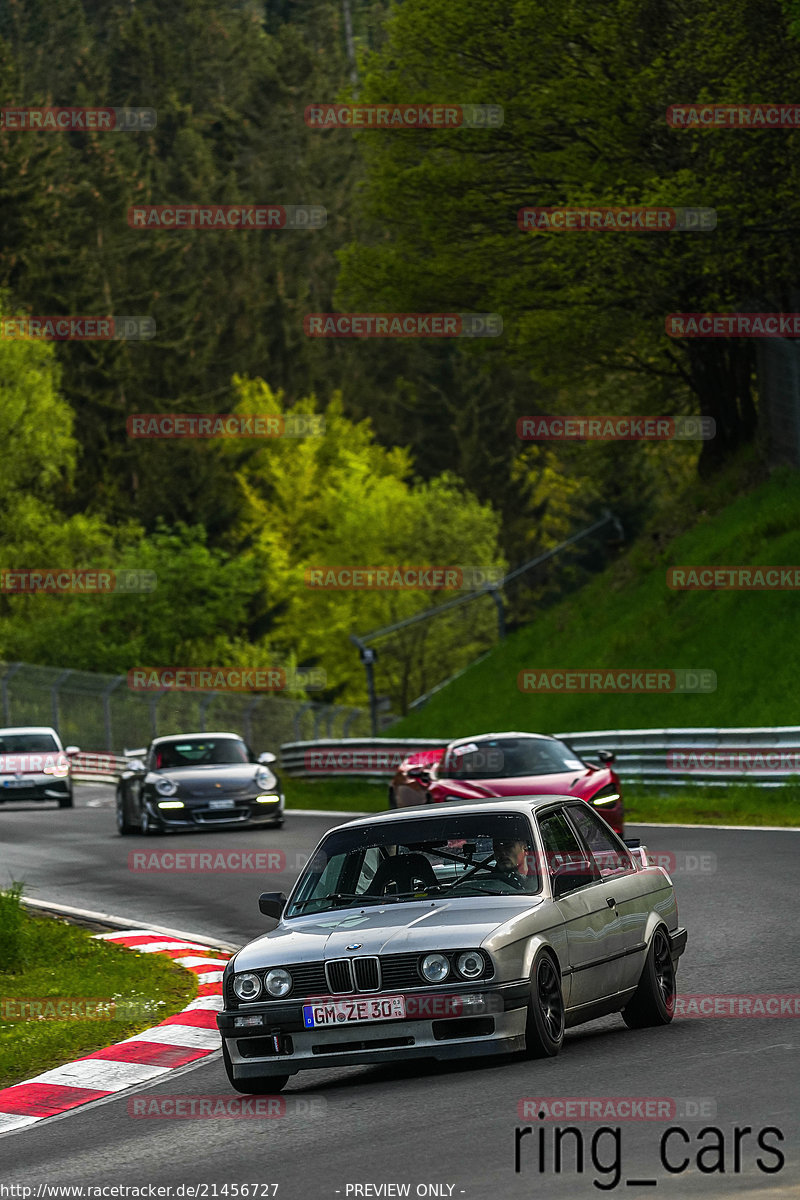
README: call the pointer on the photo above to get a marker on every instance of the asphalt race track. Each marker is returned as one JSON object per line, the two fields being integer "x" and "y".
{"x": 445, "y": 1131}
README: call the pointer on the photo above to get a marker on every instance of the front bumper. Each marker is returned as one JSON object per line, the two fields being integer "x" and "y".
{"x": 37, "y": 787}
{"x": 283, "y": 1046}
{"x": 197, "y": 814}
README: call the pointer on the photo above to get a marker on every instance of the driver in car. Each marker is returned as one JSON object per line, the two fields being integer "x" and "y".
{"x": 511, "y": 859}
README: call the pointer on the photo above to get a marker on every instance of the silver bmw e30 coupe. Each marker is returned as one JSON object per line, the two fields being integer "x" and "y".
{"x": 473, "y": 929}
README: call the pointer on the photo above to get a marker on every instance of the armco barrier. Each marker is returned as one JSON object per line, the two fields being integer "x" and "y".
{"x": 641, "y": 755}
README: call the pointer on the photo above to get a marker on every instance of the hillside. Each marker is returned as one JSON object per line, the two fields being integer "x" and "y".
{"x": 628, "y": 617}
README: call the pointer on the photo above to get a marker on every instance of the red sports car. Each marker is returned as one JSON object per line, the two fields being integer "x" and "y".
{"x": 494, "y": 765}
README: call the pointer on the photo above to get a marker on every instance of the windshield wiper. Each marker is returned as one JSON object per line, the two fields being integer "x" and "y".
{"x": 333, "y": 896}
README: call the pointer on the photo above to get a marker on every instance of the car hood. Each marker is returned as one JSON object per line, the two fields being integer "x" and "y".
{"x": 574, "y": 782}
{"x": 211, "y": 780}
{"x": 416, "y": 927}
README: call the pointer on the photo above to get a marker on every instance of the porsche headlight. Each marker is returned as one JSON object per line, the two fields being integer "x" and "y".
{"x": 470, "y": 964}
{"x": 264, "y": 779}
{"x": 278, "y": 982}
{"x": 247, "y": 986}
{"x": 166, "y": 787}
{"x": 435, "y": 968}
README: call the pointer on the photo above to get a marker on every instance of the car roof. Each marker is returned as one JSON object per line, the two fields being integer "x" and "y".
{"x": 29, "y": 729}
{"x": 509, "y": 733}
{"x": 171, "y": 737}
{"x": 520, "y": 804}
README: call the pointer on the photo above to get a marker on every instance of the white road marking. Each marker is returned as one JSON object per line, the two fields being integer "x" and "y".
{"x": 191, "y": 961}
{"x": 156, "y": 947}
{"x": 107, "y": 1075}
{"x": 213, "y": 1002}
{"x": 747, "y": 828}
{"x": 193, "y": 1037}
{"x": 9, "y": 1121}
{"x": 209, "y": 977}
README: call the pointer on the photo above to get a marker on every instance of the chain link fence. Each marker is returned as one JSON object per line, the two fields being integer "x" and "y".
{"x": 100, "y": 712}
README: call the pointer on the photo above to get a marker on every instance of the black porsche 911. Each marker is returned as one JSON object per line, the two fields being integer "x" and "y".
{"x": 194, "y": 780}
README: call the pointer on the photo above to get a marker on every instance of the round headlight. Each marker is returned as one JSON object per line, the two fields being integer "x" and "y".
{"x": 278, "y": 982}
{"x": 470, "y": 964}
{"x": 264, "y": 779}
{"x": 166, "y": 787}
{"x": 247, "y": 986}
{"x": 435, "y": 968}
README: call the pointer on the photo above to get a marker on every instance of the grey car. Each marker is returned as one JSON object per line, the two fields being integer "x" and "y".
{"x": 197, "y": 780}
{"x": 473, "y": 929}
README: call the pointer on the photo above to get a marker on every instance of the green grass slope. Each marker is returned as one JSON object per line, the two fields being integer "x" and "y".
{"x": 628, "y": 617}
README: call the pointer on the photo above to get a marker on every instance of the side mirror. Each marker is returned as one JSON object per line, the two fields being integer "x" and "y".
{"x": 71, "y": 750}
{"x": 136, "y": 765}
{"x": 605, "y": 756}
{"x": 272, "y": 904}
{"x": 418, "y": 772}
{"x": 267, "y": 757}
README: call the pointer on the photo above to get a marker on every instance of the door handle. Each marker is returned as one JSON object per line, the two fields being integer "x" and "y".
{"x": 611, "y": 902}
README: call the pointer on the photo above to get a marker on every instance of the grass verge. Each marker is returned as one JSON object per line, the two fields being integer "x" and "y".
{"x": 44, "y": 960}
{"x": 740, "y": 805}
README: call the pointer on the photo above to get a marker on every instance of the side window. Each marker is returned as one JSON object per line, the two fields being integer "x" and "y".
{"x": 565, "y": 858}
{"x": 611, "y": 858}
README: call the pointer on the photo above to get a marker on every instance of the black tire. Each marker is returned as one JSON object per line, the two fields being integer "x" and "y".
{"x": 278, "y": 824}
{"x": 263, "y": 1085}
{"x": 124, "y": 827}
{"x": 653, "y": 1002}
{"x": 544, "y": 1028}
{"x": 67, "y": 801}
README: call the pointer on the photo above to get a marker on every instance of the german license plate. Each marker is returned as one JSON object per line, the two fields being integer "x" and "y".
{"x": 17, "y": 783}
{"x": 221, "y": 803}
{"x": 354, "y": 1012}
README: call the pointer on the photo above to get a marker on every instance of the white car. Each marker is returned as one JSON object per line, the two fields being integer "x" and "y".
{"x": 464, "y": 929}
{"x": 35, "y": 766}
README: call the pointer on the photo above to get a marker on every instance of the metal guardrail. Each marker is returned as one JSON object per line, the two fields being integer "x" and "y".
{"x": 768, "y": 757}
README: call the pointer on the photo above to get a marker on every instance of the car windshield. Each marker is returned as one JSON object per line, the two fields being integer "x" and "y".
{"x": 23, "y": 743}
{"x": 194, "y": 752}
{"x": 420, "y": 859}
{"x": 508, "y": 758}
